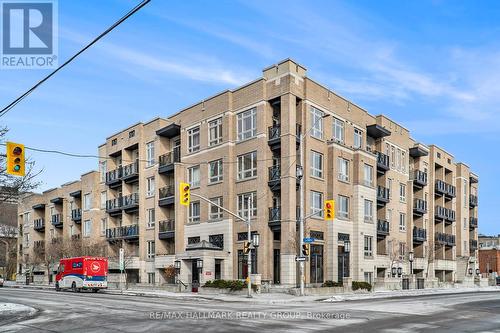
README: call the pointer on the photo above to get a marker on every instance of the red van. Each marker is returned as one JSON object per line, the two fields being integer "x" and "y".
{"x": 82, "y": 273}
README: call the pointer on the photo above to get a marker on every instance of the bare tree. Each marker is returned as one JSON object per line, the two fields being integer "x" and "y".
{"x": 8, "y": 238}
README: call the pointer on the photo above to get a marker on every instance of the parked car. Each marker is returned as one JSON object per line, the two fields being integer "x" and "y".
{"x": 1, "y": 281}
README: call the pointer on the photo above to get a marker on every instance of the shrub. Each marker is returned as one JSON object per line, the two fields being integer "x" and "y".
{"x": 331, "y": 283}
{"x": 225, "y": 284}
{"x": 361, "y": 285}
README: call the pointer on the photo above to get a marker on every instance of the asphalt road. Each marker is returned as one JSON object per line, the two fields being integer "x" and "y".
{"x": 88, "y": 312}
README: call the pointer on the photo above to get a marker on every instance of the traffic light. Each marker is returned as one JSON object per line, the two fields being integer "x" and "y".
{"x": 185, "y": 193}
{"x": 15, "y": 159}
{"x": 305, "y": 250}
{"x": 329, "y": 209}
{"x": 246, "y": 247}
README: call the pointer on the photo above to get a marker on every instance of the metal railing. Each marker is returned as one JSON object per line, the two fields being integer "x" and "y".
{"x": 76, "y": 214}
{"x": 171, "y": 157}
{"x": 383, "y": 193}
{"x": 382, "y": 161}
{"x": 130, "y": 200}
{"x": 114, "y": 175}
{"x": 130, "y": 169}
{"x": 420, "y": 205}
{"x": 57, "y": 219}
{"x": 166, "y": 191}
{"x": 38, "y": 224}
{"x": 166, "y": 226}
{"x": 473, "y": 200}
{"x": 274, "y": 173}
{"x": 383, "y": 226}
{"x": 275, "y": 214}
{"x": 128, "y": 231}
{"x": 419, "y": 234}
{"x": 420, "y": 177}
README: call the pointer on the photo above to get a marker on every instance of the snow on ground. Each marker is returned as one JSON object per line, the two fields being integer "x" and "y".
{"x": 13, "y": 309}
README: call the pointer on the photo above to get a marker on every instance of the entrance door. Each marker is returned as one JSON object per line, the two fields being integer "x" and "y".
{"x": 276, "y": 266}
{"x": 316, "y": 263}
{"x": 195, "y": 274}
{"x": 343, "y": 264}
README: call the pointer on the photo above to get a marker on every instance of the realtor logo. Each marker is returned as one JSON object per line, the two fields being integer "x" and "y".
{"x": 28, "y": 32}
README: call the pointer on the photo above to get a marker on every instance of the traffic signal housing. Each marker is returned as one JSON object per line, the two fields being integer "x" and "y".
{"x": 329, "y": 210}
{"x": 15, "y": 159}
{"x": 185, "y": 193}
{"x": 246, "y": 247}
{"x": 305, "y": 250}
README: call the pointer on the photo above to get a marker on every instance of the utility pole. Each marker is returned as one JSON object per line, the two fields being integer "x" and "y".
{"x": 249, "y": 254}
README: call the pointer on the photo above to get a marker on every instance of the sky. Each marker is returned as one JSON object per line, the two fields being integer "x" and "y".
{"x": 431, "y": 65}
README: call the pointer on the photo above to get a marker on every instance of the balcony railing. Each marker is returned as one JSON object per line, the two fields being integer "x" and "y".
{"x": 130, "y": 172}
{"x": 113, "y": 177}
{"x": 124, "y": 232}
{"x": 274, "y": 135}
{"x": 39, "y": 245}
{"x": 166, "y": 229}
{"x": 76, "y": 215}
{"x": 382, "y": 162}
{"x": 57, "y": 220}
{"x": 39, "y": 224}
{"x": 445, "y": 214}
{"x": 274, "y": 214}
{"x": 419, "y": 206}
{"x": 420, "y": 178}
{"x": 130, "y": 201}
{"x": 274, "y": 181}
{"x": 473, "y": 200}
{"x": 383, "y": 227}
{"x": 114, "y": 205}
{"x": 473, "y": 244}
{"x": 445, "y": 239}
{"x": 472, "y": 222}
{"x": 444, "y": 188}
{"x": 166, "y": 161}
{"x": 419, "y": 234}
{"x": 383, "y": 195}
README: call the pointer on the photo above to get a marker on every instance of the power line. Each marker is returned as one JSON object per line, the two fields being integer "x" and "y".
{"x": 117, "y": 23}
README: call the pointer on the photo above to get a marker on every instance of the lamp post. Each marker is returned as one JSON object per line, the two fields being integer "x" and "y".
{"x": 347, "y": 249}
{"x": 400, "y": 271}
{"x": 410, "y": 259}
{"x": 177, "y": 266}
{"x": 478, "y": 272}
{"x": 470, "y": 270}
{"x": 393, "y": 271}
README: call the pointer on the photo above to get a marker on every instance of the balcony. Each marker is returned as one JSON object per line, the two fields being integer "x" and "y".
{"x": 166, "y": 162}
{"x": 451, "y": 191}
{"x": 473, "y": 245}
{"x": 419, "y": 235}
{"x": 166, "y": 196}
{"x": 440, "y": 187}
{"x": 419, "y": 178}
{"x": 382, "y": 195}
{"x": 76, "y": 215}
{"x": 419, "y": 207}
{"x": 166, "y": 229}
{"x": 377, "y": 131}
{"x": 472, "y": 223}
{"x": 274, "y": 136}
{"x": 274, "y": 181}
{"x": 39, "y": 246}
{"x": 170, "y": 131}
{"x": 39, "y": 224}
{"x": 113, "y": 178}
{"x": 275, "y": 218}
{"x": 382, "y": 162}
{"x": 444, "y": 214}
{"x": 383, "y": 228}
{"x": 114, "y": 206}
{"x": 127, "y": 233}
{"x": 130, "y": 203}
{"x": 445, "y": 239}
{"x": 473, "y": 200}
{"x": 130, "y": 172}
{"x": 57, "y": 220}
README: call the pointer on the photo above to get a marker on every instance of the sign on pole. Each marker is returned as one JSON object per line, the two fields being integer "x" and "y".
{"x": 309, "y": 240}
{"x": 122, "y": 260}
{"x": 300, "y": 258}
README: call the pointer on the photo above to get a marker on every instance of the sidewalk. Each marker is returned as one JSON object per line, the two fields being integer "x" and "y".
{"x": 279, "y": 298}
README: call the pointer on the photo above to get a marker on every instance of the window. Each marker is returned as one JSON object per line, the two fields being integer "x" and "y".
{"x": 247, "y": 165}
{"x": 78, "y": 264}
{"x": 402, "y": 249}
{"x": 368, "y": 173}
{"x": 150, "y": 186}
{"x": 402, "y": 222}
{"x": 216, "y": 212}
{"x": 217, "y": 240}
{"x": 247, "y": 124}
{"x": 86, "y": 201}
{"x": 368, "y": 277}
{"x": 316, "y": 204}
{"x": 151, "y": 278}
{"x": 403, "y": 161}
{"x": 193, "y": 139}
{"x": 343, "y": 169}
{"x": 194, "y": 176}
{"x": 243, "y": 204}
{"x": 215, "y": 132}
{"x": 193, "y": 240}
{"x": 402, "y": 192}
{"x": 316, "y": 123}
{"x": 103, "y": 170}
{"x": 104, "y": 226}
{"x": 358, "y": 138}
{"x": 465, "y": 223}
{"x": 150, "y": 213}
{"x": 194, "y": 212}
{"x": 215, "y": 171}
{"x": 368, "y": 210}
{"x": 465, "y": 193}
{"x": 87, "y": 228}
{"x": 104, "y": 198}
{"x": 338, "y": 130}
{"x": 114, "y": 142}
{"x": 368, "y": 246}
{"x": 150, "y": 154}
{"x": 26, "y": 239}
{"x": 316, "y": 164}
{"x": 343, "y": 207}
{"x": 131, "y": 134}
{"x": 151, "y": 249}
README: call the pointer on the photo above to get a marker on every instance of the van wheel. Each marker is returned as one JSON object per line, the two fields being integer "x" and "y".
{"x": 95, "y": 290}
{"x": 73, "y": 286}
{"x": 57, "y": 287}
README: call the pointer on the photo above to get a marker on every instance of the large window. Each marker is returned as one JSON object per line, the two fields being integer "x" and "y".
{"x": 368, "y": 175}
{"x": 150, "y": 154}
{"x": 87, "y": 228}
{"x": 402, "y": 222}
{"x": 193, "y": 139}
{"x": 215, "y": 171}
{"x": 102, "y": 170}
{"x": 150, "y": 186}
{"x": 316, "y": 204}
{"x": 343, "y": 169}
{"x": 104, "y": 198}
{"x": 358, "y": 138}
{"x": 343, "y": 207}
{"x": 338, "y": 130}
{"x": 194, "y": 212}
{"x": 216, "y": 212}
{"x": 87, "y": 203}
{"x": 104, "y": 226}
{"x": 150, "y": 213}
{"x": 247, "y": 124}
{"x": 317, "y": 123}
{"x": 151, "y": 250}
{"x": 194, "y": 176}
{"x": 316, "y": 164}
{"x": 243, "y": 204}
{"x": 215, "y": 132}
{"x": 402, "y": 192}
{"x": 368, "y": 246}
{"x": 247, "y": 165}
{"x": 368, "y": 210}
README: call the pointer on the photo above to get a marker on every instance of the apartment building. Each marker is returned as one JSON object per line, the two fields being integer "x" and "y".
{"x": 402, "y": 208}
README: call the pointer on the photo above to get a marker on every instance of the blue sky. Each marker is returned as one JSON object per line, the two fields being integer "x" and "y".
{"x": 433, "y": 66}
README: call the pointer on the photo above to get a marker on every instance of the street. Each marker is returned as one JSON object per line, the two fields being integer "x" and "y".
{"x": 88, "y": 312}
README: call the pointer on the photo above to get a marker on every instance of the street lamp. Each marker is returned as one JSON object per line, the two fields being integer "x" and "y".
{"x": 400, "y": 271}
{"x": 410, "y": 259}
{"x": 347, "y": 246}
{"x": 470, "y": 271}
{"x": 255, "y": 240}
{"x": 478, "y": 272}
{"x": 347, "y": 249}
{"x": 199, "y": 264}
{"x": 393, "y": 271}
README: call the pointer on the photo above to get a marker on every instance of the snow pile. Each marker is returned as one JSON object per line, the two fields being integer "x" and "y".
{"x": 13, "y": 308}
